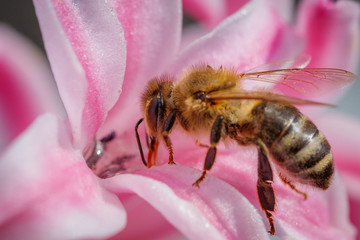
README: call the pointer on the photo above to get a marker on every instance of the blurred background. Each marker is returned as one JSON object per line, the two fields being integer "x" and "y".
{"x": 20, "y": 15}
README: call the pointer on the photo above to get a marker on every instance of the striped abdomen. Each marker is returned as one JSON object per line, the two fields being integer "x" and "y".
{"x": 296, "y": 144}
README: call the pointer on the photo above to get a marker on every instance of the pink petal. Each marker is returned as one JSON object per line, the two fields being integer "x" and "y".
{"x": 233, "y": 6}
{"x": 355, "y": 213}
{"x": 332, "y": 32}
{"x": 345, "y": 142}
{"x": 324, "y": 215}
{"x": 213, "y": 12}
{"x": 287, "y": 44}
{"x": 191, "y": 33}
{"x": 86, "y": 48}
{"x": 209, "y": 12}
{"x": 239, "y": 41}
{"x": 285, "y": 9}
{"x": 48, "y": 192}
{"x": 214, "y": 211}
{"x": 141, "y": 215}
{"x": 152, "y": 31}
{"x": 26, "y": 88}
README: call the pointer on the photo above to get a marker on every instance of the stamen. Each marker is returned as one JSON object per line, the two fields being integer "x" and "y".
{"x": 93, "y": 153}
{"x": 115, "y": 167}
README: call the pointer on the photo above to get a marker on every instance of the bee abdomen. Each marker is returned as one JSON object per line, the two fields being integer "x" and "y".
{"x": 297, "y": 145}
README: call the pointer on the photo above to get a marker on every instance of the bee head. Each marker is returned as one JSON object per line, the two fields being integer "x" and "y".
{"x": 156, "y": 104}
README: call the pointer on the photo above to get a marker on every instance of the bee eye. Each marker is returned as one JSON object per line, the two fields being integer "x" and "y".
{"x": 156, "y": 111}
{"x": 200, "y": 95}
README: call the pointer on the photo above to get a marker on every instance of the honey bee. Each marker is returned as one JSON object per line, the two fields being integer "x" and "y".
{"x": 215, "y": 102}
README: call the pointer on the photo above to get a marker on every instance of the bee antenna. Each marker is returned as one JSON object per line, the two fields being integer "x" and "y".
{"x": 139, "y": 142}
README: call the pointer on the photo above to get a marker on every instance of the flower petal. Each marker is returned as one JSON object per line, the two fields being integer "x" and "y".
{"x": 332, "y": 32}
{"x": 208, "y": 12}
{"x": 235, "y": 43}
{"x": 153, "y": 33}
{"x": 213, "y": 12}
{"x": 345, "y": 143}
{"x": 213, "y": 211}
{"x": 233, "y": 6}
{"x": 48, "y": 192}
{"x": 141, "y": 215}
{"x": 324, "y": 215}
{"x": 26, "y": 87}
{"x": 87, "y": 52}
{"x": 191, "y": 33}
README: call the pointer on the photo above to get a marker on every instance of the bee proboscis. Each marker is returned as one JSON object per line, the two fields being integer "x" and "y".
{"x": 215, "y": 102}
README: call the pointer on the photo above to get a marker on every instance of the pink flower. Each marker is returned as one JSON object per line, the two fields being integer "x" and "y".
{"x": 25, "y": 89}
{"x": 47, "y": 190}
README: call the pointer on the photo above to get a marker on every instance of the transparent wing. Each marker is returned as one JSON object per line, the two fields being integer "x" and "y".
{"x": 305, "y": 81}
{"x": 260, "y": 95}
{"x": 300, "y": 61}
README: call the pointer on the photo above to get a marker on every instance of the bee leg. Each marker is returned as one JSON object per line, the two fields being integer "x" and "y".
{"x": 211, "y": 153}
{"x": 169, "y": 123}
{"x": 154, "y": 143}
{"x": 264, "y": 188}
{"x": 286, "y": 181}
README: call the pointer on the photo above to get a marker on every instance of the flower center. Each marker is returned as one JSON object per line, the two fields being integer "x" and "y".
{"x": 111, "y": 155}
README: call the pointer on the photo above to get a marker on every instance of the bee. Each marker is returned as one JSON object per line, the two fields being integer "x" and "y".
{"x": 216, "y": 102}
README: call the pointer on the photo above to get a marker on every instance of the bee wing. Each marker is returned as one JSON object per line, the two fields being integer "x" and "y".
{"x": 261, "y": 95}
{"x": 300, "y": 61}
{"x": 250, "y": 84}
{"x": 303, "y": 81}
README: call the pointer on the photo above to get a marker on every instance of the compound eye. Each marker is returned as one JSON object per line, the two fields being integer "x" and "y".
{"x": 156, "y": 112}
{"x": 200, "y": 95}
